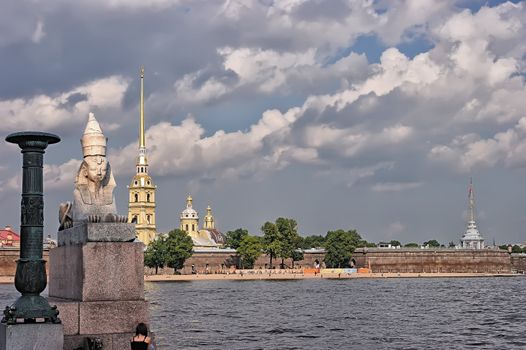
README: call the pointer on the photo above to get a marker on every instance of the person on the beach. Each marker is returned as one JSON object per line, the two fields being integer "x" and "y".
{"x": 141, "y": 340}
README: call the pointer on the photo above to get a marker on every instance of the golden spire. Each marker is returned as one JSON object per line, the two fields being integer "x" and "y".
{"x": 142, "y": 143}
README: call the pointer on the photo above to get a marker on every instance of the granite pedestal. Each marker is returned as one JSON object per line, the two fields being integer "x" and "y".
{"x": 98, "y": 284}
{"x": 34, "y": 336}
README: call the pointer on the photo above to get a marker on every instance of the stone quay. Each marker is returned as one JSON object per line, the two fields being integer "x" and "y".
{"x": 96, "y": 280}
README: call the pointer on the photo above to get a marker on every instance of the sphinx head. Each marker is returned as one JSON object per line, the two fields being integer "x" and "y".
{"x": 95, "y": 167}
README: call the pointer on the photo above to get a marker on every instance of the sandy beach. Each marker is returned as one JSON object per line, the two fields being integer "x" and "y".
{"x": 294, "y": 276}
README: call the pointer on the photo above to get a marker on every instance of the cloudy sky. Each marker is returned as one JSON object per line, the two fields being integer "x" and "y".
{"x": 341, "y": 114}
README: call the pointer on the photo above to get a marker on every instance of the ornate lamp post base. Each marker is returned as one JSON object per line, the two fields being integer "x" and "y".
{"x": 30, "y": 278}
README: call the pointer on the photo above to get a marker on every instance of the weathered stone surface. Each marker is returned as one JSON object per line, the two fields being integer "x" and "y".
{"x": 74, "y": 342}
{"x": 103, "y": 317}
{"x": 36, "y": 336}
{"x": 68, "y": 314}
{"x": 121, "y": 341}
{"x": 97, "y": 271}
{"x": 97, "y": 232}
{"x": 518, "y": 262}
{"x": 93, "y": 199}
{"x": 65, "y": 272}
{"x": 433, "y": 260}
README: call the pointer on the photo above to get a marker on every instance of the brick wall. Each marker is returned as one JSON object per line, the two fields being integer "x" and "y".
{"x": 429, "y": 260}
{"x": 518, "y": 262}
{"x": 8, "y": 258}
{"x": 222, "y": 262}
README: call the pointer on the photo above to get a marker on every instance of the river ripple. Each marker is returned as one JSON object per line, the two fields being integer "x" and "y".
{"x": 424, "y": 313}
{"x": 419, "y": 313}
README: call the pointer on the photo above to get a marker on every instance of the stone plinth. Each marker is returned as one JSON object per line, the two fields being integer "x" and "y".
{"x": 97, "y": 271}
{"x": 96, "y": 232}
{"x": 96, "y": 279}
{"x": 101, "y": 317}
{"x": 35, "y": 336}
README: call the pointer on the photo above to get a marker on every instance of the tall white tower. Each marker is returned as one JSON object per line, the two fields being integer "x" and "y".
{"x": 472, "y": 239}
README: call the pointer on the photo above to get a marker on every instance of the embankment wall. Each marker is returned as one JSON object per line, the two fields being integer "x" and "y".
{"x": 518, "y": 262}
{"x": 433, "y": 260}
{"x": 8, "y": 258}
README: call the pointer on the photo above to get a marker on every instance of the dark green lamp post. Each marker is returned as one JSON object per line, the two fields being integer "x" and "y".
{"x": 30, "y": 278}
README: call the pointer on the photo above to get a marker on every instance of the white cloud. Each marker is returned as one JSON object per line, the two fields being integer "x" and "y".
{"x": 39, "y": 33}
{"x": 395, "y": 186}
{"x": 470, "y": 151}
{"x": 45, "y": 112}
{"x": 61, "y": 176}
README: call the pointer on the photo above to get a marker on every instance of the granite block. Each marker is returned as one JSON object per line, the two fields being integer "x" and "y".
{"x": 97, "y": 232}
{"x": 103, "y": 317}
{"x": 35, "y": 336}
{"x": 113, "y": 271}
{"x": 74, "y": 342}
{"x": 68, "y": 314}
{"x": 65, "y": 272}
{"x": 97, "y": 271}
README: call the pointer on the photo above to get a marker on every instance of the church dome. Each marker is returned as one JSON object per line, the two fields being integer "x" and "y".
{"x": 189, "y": 212}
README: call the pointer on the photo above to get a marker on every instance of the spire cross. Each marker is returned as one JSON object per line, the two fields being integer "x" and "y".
{"x": 471, "y": 201}
{"x": 142, "y": 143}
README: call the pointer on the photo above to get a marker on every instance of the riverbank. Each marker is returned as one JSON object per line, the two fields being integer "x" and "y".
{"x": 295, "y": 276}
{"x": 298, "y": 276}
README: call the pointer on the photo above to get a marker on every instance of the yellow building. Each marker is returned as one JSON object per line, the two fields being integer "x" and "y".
{"x": 208, "y": 236}
{"x": 141, "y": 203}
{"x": 190, "y": 219}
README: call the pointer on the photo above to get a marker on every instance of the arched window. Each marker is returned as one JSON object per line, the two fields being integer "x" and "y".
{"x": 186, "y": 227}
{"x": 134, "y": 219}
{"x": 136, "y": 195}
{"x": 147, "y": 197}
{"x": 193, "y": 227}
{"x": 148, "y": 218}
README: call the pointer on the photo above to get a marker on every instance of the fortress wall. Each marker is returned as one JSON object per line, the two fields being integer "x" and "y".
{"x": 221, "y": 262}
{"x": 8, "y": 258}
{"x": 429, "y": 260}
{"x": 518, "y": 262}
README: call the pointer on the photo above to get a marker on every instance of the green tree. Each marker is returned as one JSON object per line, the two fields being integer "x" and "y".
{"x": 432, "y": 243}
{"x": 314, "y": 241}
{"x": 289, "y": 238}
{"x": 516, "y": 249}
{"x": 155, "y": 254}
{"x": 249, "y": 251}
{"x": 411, "y": 245}
{"x": 271, "y": 240}
{"x": 339, "y": 246}
{"x": 234, "y": 238}
{"x": 363, "y": 243}
{"x": 297, "y": 255}
{"x": 179, "y": 247}
{"x": 395, "y": 243}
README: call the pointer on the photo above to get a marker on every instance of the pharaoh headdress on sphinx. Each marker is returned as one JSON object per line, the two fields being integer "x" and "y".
{"x": 93, "y": 195}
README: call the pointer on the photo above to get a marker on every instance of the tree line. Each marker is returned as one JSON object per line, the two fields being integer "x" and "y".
{"x": 279, "y": 240}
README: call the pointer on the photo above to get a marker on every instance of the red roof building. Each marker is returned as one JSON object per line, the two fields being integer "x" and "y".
{"x": 9, "y": 238}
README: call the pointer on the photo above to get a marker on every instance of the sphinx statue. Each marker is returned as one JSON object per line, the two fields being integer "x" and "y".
{"x": 93, "y": 199}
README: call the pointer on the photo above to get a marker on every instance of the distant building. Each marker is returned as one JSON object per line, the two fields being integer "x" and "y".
{"x": 208, "y": 236}
{"x": 9, "y": 238}
{"x": 141, "y": 203}
{"x": 472, "y": 239}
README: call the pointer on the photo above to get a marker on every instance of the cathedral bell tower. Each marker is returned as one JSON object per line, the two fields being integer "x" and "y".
{"x": 141, "y": 204}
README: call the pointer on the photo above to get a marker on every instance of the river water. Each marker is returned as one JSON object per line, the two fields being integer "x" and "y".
{"x": 398, "y": 313}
